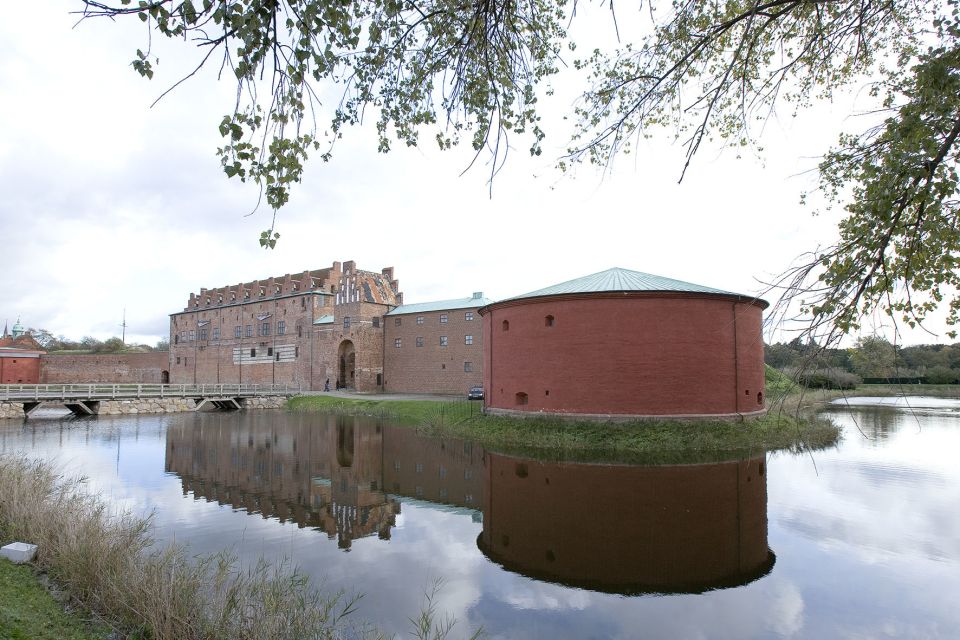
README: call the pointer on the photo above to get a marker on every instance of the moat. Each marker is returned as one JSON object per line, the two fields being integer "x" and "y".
{"x": 862, "y": 540}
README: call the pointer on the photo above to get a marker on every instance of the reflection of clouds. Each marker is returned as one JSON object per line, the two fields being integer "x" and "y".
{"x": 894, "y": 501}
{"x": 786, "y": 612}
{"x": 539, "y": 595}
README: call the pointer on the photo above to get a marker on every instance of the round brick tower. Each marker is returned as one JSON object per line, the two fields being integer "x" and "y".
{"x": 625, "y": 343}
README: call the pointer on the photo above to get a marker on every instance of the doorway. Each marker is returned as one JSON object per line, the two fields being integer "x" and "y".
{"x": 347, "y": 369}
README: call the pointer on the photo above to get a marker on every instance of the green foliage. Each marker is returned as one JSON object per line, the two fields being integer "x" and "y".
{"x": 464, "y": 70}
{"x": 874, "y": 357}
{"x": 826, "y": 379}
{"x": 28, "y": 611}
{"x": 942, "y": 375}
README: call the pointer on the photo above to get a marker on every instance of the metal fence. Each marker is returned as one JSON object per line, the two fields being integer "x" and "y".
{"x": 38, "y": 392}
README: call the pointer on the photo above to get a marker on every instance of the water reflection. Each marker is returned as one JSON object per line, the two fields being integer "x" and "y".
{"x": 342, "y": 475}
{"x": 628, "y": 529}
{"x": 866, "y": 534}
{"x": 624, "y": 529}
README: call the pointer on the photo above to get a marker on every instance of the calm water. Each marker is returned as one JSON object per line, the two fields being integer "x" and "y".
{"x": 858, "y": 542}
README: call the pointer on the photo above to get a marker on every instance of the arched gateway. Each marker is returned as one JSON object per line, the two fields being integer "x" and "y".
{"x": 346, "y": 372}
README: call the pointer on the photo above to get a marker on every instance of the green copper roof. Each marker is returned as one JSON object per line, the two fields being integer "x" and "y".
{"x": 324, "y": 320}
{"x": 476, "y": 300}
{"x": 617, "y": 279}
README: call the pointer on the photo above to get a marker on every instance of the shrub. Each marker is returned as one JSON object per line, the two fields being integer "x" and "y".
{"x": 942, "y": 375}
{"x": 825, "y": 378}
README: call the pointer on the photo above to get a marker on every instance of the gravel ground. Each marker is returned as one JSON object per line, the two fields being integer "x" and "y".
{"x": 352, "y": 395}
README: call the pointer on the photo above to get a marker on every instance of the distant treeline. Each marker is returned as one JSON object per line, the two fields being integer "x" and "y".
{"x": 872, "y": 360}
{"x": 88, "y": 344}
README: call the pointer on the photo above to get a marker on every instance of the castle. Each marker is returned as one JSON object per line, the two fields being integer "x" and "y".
{"x": 339, "y": 327}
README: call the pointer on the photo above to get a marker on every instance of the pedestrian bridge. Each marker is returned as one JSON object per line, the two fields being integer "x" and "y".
{"x": 85, "y": 399}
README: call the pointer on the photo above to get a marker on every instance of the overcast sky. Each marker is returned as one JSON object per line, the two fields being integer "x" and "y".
{"x": 109, "y": 204}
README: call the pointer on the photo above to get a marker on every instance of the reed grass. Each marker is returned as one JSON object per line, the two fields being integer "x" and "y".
{"x": 107, "y": 563}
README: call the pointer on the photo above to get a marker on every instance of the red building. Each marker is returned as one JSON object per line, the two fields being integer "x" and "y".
{"x": 19, "y": 357}
{"x": 625, "y": 343}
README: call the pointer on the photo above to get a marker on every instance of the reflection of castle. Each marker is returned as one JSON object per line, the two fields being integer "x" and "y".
{"x": 327, "y": 472}
{"x": 628, "y": 529}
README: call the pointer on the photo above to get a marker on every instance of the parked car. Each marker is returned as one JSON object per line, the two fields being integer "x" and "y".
{"x": 475, "y": 393}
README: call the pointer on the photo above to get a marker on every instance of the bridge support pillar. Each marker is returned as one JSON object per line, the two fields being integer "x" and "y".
{"x": 219, "y": 404}
{"x": 84, "y": 407}
{"x": 29, "y": 407}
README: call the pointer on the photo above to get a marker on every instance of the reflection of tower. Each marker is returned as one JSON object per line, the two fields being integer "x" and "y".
{"x": 319, "y": 471}
{"x": 352, "y": 501}
{"x": 628, "y": 529}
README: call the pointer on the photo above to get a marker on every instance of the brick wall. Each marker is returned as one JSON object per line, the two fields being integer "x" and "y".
{"x": 433, "y": 367}
{"x": 660, "y": 354}
{"x": 113, "y": 367}
{"x": 19, "y": 368}
{"x": 292, "y": 330}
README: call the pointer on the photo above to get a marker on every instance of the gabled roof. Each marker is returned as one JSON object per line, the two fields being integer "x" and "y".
{"x": 616, "y": 280}
{"x": 477, "y": 300}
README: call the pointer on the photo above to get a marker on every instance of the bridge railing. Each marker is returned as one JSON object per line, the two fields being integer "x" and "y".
{"x": 38, "y": 392}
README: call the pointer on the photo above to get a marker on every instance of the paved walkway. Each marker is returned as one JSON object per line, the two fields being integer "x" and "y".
{"x": 353, "y": 395}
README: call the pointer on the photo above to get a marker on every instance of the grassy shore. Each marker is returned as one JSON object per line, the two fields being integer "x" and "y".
{"x": 105, "y": 562}
{"x": 653, "y": 441}
{"x": 29, "y": 611}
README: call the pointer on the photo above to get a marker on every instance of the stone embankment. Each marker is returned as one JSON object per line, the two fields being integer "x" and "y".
{"x": 11, "y": 410}
{"x": 155, "y": 405}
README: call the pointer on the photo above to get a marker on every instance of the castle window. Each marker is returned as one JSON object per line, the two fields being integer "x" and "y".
{"x": 296, "y": 352}
{"x": 506, "y": 325}
{"x": 270, "y": 351}
{"x": 467, "y": 339}
{"x": 468, "y": 315}
{"x": 419, "y": 319}
{"x": 346, "y": 323}
{"x": 253, "y": 353}
{"x": 193, "y": 335}
{"x": 176, "y": 340}
{"x": 265, "y": 329}
{"x": 443, "y": 318}
{"x": 397, "y": 343}
{"x": 376, "y": 322}
{"x": 178, "y": 359}
{"x": 548, "y": 321}
{"x": 281, "y": 327}
{"x": 467, "y": 367}
{"x": 216, "y": 333}
{"x": 249, "y": 330}
{"x": 237, "y": 331}
{"x": 419, "y": 341}
{"x": 443, "y": 341}
{"x": 521, "y": 399}
{"x": 396, "y": 321}
{"x": 203, "y": 333}
{"x": 299, "y": 331}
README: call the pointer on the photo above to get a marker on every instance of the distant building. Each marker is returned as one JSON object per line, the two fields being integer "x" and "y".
{"x": 304, "y": 328}
{"x": 625, "y": 343}
{"x": 19, "y": 356}
{"x": 434, "y": 347}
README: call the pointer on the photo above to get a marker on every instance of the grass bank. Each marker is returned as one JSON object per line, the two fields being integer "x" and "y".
{"x": 653, "y": 441}
{"x": 105, "y": 562}
{"x": 28, "y": 611}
